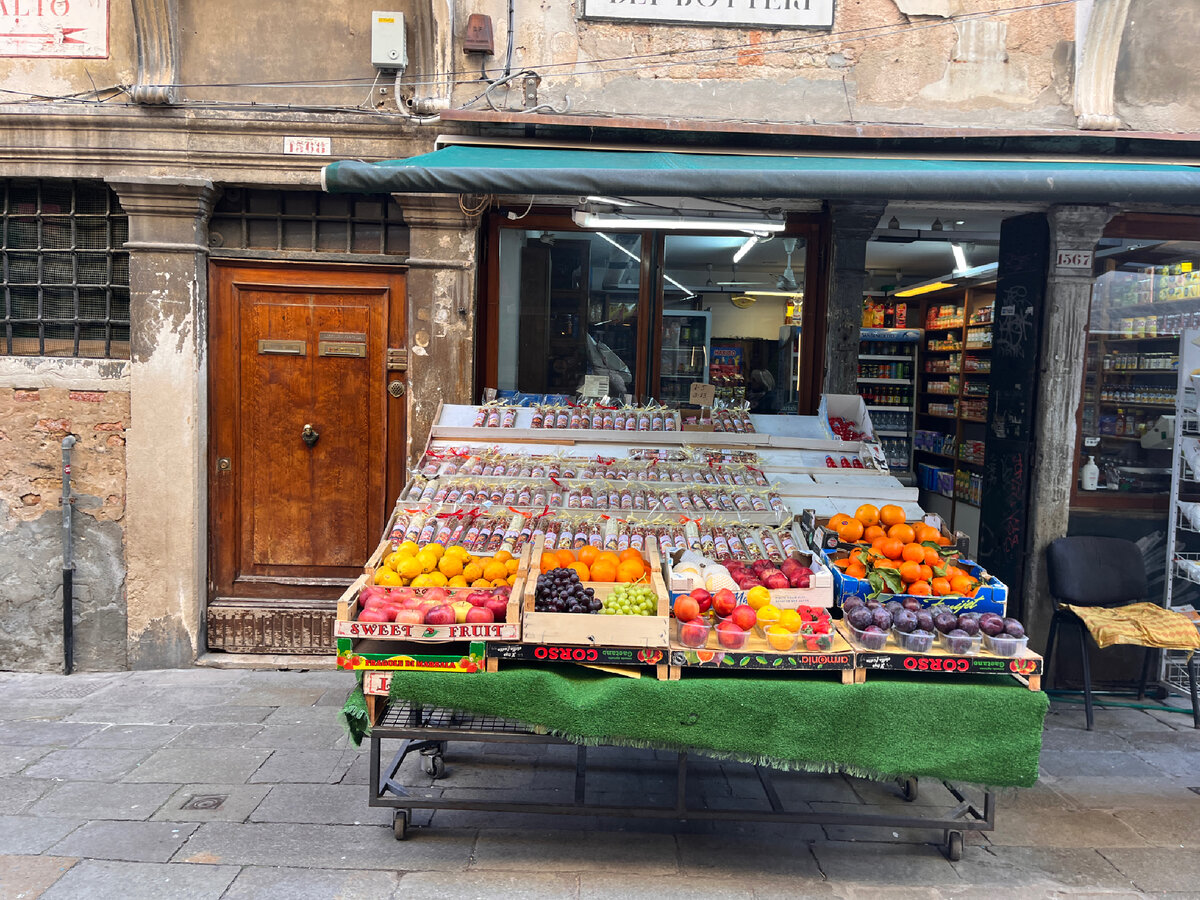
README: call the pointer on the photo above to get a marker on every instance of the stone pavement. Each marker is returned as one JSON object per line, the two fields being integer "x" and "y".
{"x": 207, "y": 783}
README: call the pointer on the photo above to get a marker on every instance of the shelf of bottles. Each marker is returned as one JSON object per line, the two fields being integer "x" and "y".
{"x": 887, "y": 373}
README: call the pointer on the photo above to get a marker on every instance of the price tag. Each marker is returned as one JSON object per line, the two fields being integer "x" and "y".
{"x": 702, "y": 394}
{"x": 1074, "y": 259}
{"x": 594, "y": 385}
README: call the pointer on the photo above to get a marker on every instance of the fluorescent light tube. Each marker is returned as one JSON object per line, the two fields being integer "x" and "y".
{"x": 923, "y": 288}
{"x": 960, "y": 257}
{"x": 745, "y": 248}
{"x": 625, "y": 250}
{"x": 617, "y": 222}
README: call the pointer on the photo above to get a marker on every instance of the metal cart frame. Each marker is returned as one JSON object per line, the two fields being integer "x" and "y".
{"x": 427, "y": 730}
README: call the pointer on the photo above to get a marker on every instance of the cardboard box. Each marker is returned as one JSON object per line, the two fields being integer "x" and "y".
{"x": 845, "y": 406}
{"x": 992, "y": 595}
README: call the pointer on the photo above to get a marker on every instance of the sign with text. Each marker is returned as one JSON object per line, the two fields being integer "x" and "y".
{"x": 74, "y": 29}
{"x": 1074, "y": 259}
{"x": 700, "y": 394}
{"x": 307, "y": 146}
{"x": 594, "y": 385}
{"x": 717, "y": 13}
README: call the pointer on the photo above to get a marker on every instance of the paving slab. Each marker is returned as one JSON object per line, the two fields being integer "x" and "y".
{"x": 874, "y": 833}
{"x": 129, "y": 841}
{"x": 1158, "y": 869}
{"x": 112, "y": 880}
{"x": 796, "y": 786}
{"x": 27, "y": 877}
{"x": 298, "y": 737}
{"x": 317, "y": 804}
{"x": 311, "y": 766}
{"x": 14, "y": 759}
{"x": 525, "y": 886}
{"x": 1064, "y": 829}
{"x": 306, "y": 715}
{"x": 30, "y": 834}
{"x": 41, "y": 734}
{"x": 746, "y": 858}
{"x": 132, "y": 737}
{"x": 1115, "y": 791}
{"x": 595, "y": 851}
{"x": 151, "y": 710}
{"x": 327, "y": 847}
{"x": 260, "y": 695}
{"x": 102, "y": 800}
{"x": 211, "y": 803}
{"x": 221, "y": 714}
{"x": 1178, "y": 763}
{"x": 861, "y": 863}
{"x": 183, "y": 766}
{"x": 1095, "y": 762}
{"x": 213, "y": 736}
{"x": 18, "y": 792}
{"x": 96, "y": 764}
{"x": 1188, "y": 739}
{"x": 1001, "y": 868}
{"x": 1178, "y": 828}
{"x": 275, "y": 883}
{"x": 190, "y": 676}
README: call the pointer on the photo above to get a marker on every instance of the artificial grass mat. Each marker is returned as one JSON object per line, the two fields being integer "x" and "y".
{"x": 984, "y": 730}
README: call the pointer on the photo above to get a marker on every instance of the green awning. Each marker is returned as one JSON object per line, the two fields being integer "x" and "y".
{"x": 631, "y": 173}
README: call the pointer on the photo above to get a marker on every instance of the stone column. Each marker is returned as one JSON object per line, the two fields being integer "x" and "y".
{"x": 441, "y": 308}
{"x": 853, "y": 225}
{"x": 166, "y": 516}
{"x": 1060, "y": 382}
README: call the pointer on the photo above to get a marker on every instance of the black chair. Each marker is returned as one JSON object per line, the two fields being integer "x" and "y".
{"x": 1105, "y": 572}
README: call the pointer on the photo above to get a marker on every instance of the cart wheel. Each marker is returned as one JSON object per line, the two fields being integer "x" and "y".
{"x": 909, "y": 789}
{"x": 400, "y": 824}
{"x": 434, "y": 766}
{"x": 954, "y": 845}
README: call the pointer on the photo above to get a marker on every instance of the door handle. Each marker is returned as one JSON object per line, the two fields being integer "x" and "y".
{"x": 310, "y": 435}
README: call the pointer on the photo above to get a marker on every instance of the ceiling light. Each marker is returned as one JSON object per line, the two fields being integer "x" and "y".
{"x": 745, "y": 248}
{"x": 625, "y": 250}
{"x": 618, "y": 222}
{"x": 960, "y": 257}
{"x": 924, "y": 288}
{"x": 776, "y": 293}
{"x": 609, "y": 201}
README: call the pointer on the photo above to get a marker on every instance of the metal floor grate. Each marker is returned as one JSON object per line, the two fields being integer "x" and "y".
{"x": 408, "y": 716}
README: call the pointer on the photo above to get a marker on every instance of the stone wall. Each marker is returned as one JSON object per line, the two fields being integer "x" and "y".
{"x": 33, "y": 422}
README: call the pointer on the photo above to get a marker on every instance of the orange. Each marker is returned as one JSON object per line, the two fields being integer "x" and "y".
{"x": 837, "y": 521}
{"x": 512, "y": 565}
{"x": 887, "y": 564}
{"x": 626, "y": 555}
{"x": 920, "y": 589}
{"x": 631, "y": 570}
{"x": 926, "y": 573}
{"x": 940, "y": 586}
{"x": 481, "y": 583}
{"x": 925, "y": 533}
{"x": 892, "y": 548}
{"x": 387, "y": 577}
{"x": 565, "y": 557}
{"x": 609, "y": 556}
{"x": 910, "y": 572}
{"x": 867, "y": 514}
{"x": 902, "y": 533}
{"x": 495, "y": 571}
{"x": 584, "y": 574}
{"x": 588, "y": 554}
{"x": 891, "y": 515}
{"x": 932, "y": 557}
{"x": 942, "y": 541}
{"x": 850, "y": 531}
{"x": 856, "y": 570}
{"x": 502, "y": 556}
{"x": 458, "y": 581}
{"x": 603, "y": 570}
{"x": 474, "y": 571}
{"x": 914, "y": 553}
{"x": 410, "y": 568}
{"x": 549, "y": 561}
{"x": 843, "y": 563}
{"x": 962, "y": 584}
{"x": 450, "y": 566}
{"x": 872, "y": 533}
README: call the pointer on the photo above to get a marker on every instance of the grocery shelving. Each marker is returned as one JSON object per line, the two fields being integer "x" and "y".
{"x": 887, "y": 378}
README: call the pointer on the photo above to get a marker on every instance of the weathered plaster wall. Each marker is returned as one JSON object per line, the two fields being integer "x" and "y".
{"x": 884, "y": 61}
{"x": 1157, "y": 70}
{"x": 37, "y": 410}
{"x": 61, "y": 77}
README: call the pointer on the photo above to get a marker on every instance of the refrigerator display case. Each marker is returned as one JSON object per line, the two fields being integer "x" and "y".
{"x": 684, "y": 357}
{"x": 887, "y": 372}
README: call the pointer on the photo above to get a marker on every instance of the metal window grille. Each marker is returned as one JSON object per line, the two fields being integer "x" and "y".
{"x": 307, "y": 222}
{"x": 65, "y": 271}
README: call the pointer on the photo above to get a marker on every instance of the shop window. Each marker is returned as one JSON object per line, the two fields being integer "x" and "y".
{"x": 568, "y": 307}
{"x": 65, "y": 270}
{"x": 307, "y": 222}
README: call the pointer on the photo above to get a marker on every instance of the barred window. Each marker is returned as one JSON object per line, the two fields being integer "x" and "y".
{"x": 65, "y": 270}
{"x": 304, "y": 222}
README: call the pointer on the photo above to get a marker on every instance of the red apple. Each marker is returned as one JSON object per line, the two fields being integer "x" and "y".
{"x": 479, "y": 598}
{"x": 686, "y": 608}
{"x": 693, "y": 634}
{"x": 436, "y": 594}
{"x": 375, "y": 603}
{"x": 480, "y": 615}
{"x": 503, "y": 590}
{"x": 776, "y": 581}
{"x": 744, "y": 617}
{"x": 799, "y": 580}
{"x": 751, "y": 583}
{"x": 403, "y": 593}
{"x": 374, "y": 614}
{"x": 499, "y": 607}
{"x": 789, "y": 564}
{"x": 440, "y": 615}
{"x": 723, "y": 602}
{"x": 759, "y": 564}
{"x": 409, "y": 617}
{"x": 731, "y": 636}
{"x": 704, "y": 598}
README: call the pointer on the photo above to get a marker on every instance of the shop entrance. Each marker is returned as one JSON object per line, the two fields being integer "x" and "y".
{"x": 307, "y": 442}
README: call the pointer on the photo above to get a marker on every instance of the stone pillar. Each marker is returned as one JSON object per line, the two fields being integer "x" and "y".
{"x": 166, "y": 515}
{"x": 441, "y": 308}
{"x": 852, "y": 225}
{"x": 1094, "y": 102}
{"x": 1060, "y": 383}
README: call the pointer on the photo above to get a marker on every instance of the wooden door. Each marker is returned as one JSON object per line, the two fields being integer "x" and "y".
{"x": 296, "y": 352}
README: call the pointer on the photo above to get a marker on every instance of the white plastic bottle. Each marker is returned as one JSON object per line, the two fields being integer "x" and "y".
{"x": 1089, "y": 475}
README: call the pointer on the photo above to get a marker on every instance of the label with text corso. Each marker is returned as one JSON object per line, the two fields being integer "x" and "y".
{"x": 601, "y": 656}
{"x": 948, "y": 665}
{"x": 475, "y": 631}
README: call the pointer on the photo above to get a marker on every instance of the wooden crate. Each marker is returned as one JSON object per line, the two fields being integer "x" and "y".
{"x": 348, "y": 627}
{"x": 595, "y": 630}
{"x": 758, "y": 656}
{"x": 938, "y": 663}
{"x": 818, "y": 593}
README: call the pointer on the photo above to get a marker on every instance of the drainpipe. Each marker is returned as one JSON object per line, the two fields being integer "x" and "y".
{"x": 68, "y": 565}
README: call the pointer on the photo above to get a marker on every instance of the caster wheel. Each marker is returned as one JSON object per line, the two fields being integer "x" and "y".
{"x": 400, "y": 824}
{"x": 433, "y": 766}
{"x": 908, "y": 789}
{"x": 954, "y": 846}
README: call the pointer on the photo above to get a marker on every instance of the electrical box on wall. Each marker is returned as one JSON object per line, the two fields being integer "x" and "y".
{"x": 388, "y": 50}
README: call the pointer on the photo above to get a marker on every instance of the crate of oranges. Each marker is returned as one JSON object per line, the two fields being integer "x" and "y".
{"x": 588, "y": 596}
{"x": 878, "y": 554}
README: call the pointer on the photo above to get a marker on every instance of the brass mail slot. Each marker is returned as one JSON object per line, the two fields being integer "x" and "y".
{"x": 340, "y": 348}
{"x": 353, "y": 337}
{"x": 283, "y": 348}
